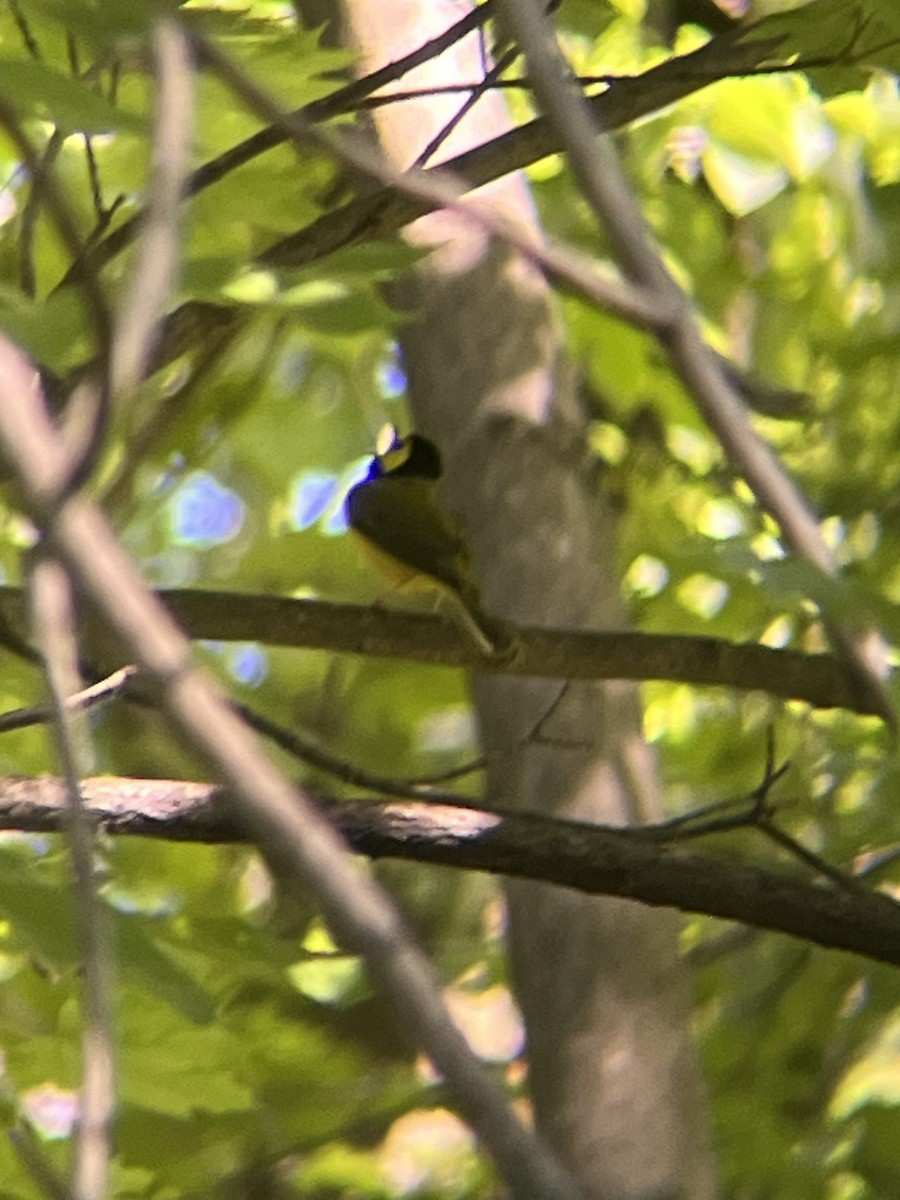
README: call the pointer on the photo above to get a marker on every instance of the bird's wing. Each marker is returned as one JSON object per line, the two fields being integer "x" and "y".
{"x": 402, "y": 518}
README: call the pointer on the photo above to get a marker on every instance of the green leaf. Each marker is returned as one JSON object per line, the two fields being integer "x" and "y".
{"x": 175, "y": 1067}
{"x": 145, "y": 958}
{"x": 858, "y": 34}
{"x": 38, "y": 90}
{"x": 54, "y": 331}
{"x": 41, "y": 913}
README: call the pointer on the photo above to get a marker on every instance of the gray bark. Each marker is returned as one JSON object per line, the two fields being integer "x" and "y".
{"x": 613, "y": 1076}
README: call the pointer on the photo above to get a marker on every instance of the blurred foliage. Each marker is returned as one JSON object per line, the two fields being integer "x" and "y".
{"x": 254, "y": 1058}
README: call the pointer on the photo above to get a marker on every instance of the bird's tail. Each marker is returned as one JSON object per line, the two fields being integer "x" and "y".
{"x": 488, "y": 634}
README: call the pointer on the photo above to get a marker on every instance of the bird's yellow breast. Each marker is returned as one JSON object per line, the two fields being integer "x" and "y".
{"x": 399, "y": 573}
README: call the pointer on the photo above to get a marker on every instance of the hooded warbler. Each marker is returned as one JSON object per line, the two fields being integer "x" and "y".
{"x": 395, "y": 513}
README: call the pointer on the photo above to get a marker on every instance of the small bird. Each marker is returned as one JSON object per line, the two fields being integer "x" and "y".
{"x": 406, "y": 534}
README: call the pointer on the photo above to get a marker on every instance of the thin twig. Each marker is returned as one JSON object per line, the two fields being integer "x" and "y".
{"x": 155, "y": 269}
{"x": 305, "y": 750}
{"x": 93, "y": 170}
{"x": 115, "y": 685}
{"x": 92, "y": 697}
{"x": 62, "y": 217}
{"x": 441, "y": 89}
{"x": 54, "y": 624}
{"x": 700, "y": 823}
{"x": 31, "y": 44}
{"x": 821, "y": 867}
{"x": 493, "y": 75}
{"x": 81, "y": 455}
{"x": 32, "y": 207}
{"x": 31, "y": 211}
{"x": 757, "y": 814}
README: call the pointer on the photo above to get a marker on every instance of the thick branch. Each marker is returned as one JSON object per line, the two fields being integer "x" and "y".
{"x": 628, "y": 99}
{"x": 590, "y": 858}
{"x": 819, "y": 679}
{"x": 380, "y": 214}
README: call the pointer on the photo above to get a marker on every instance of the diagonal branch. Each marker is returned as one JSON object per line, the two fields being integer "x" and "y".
{"x": 598, "y": 171}
{"x": 298, "y": 838}
{"x": 381, "y": 214}
{"x": 345, "y": 99}
{"x": 626, "y": 99}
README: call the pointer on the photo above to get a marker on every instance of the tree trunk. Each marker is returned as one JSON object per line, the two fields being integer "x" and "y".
{"x": 613, "y": 1077}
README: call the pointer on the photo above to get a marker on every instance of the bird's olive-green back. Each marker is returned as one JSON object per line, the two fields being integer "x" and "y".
{"x": 401, "y": 518}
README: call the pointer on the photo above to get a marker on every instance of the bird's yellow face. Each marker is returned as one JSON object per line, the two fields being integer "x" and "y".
{"x": 410, "y": 457}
